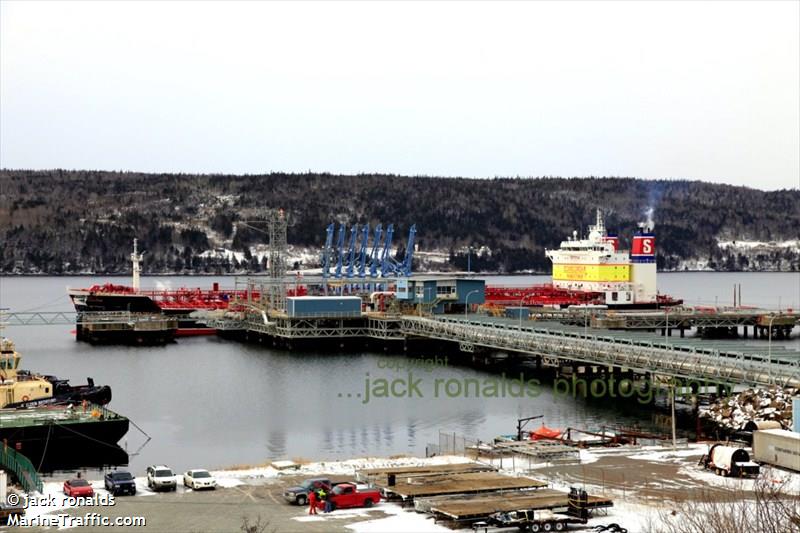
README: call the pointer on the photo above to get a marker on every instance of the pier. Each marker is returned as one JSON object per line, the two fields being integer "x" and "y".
{"x": 548, "y": 344}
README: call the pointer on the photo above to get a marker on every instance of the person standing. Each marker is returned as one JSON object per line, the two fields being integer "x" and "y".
{"x": 312, "y": 502}
{"x": 323, "y": 496}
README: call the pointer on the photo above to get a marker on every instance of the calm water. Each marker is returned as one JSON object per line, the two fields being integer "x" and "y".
{"x": 212, "y": 403}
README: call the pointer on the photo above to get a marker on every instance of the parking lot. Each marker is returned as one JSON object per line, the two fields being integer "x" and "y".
{"x": 223, "y": 509}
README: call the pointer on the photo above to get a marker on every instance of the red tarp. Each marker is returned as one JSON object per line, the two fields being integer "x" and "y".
{"x": 545, "y": 432}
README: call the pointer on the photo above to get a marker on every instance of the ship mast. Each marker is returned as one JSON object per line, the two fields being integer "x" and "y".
{"x": 136, "y": 259}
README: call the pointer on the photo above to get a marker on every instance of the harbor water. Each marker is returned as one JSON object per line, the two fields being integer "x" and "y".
{"x": 213, "y": 403}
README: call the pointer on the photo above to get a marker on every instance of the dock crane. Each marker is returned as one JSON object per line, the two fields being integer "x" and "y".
{"x": 353, "y": 260}
{"x": 376, "y": 245}
{"x": 362, "y": 263}
{"x": 386, "y": 254}
{"x": 340, "y": 247}
{"x": 351, "y": 255}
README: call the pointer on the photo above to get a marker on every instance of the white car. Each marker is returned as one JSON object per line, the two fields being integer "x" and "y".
{"x": 161, "y": 478}
{"x": 199, "y": 479}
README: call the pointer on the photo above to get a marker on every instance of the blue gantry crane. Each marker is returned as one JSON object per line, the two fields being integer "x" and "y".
{"x": 354, "y": 260}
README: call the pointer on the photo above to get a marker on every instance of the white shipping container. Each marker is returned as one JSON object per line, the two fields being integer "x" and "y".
{"x": 777, "y": 447}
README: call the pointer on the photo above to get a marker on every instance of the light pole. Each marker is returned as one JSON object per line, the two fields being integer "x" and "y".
{"x": 769, "y": 349}
{"x": 466, "y": 301}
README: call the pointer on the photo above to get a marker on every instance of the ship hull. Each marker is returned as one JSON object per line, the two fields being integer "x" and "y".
{"x": 69, "y": 444}
{"x": 96, "y": 395}
{"x": 135, "y": 303}
{"x": 85, "y": 301}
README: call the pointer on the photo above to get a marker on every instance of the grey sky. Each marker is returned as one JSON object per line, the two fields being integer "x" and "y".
{"x": 658, "y": 90}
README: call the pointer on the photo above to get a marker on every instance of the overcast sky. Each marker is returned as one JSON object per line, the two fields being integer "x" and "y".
{"x": 694, "y": 90}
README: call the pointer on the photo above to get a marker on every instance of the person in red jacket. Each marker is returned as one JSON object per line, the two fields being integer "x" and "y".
{"x": 312, "y": 502}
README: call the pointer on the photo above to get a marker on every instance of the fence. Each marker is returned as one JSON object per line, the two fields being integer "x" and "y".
{"x": 453, "y": 444}
{"x": 22, "y": 469}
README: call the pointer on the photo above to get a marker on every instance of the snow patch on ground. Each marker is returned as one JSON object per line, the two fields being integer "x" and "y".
{"x": 660, "y": 454}
{"x": 341, "y": 468}
{"x": 759, "y": 244}
{"x": 399, "y": 521}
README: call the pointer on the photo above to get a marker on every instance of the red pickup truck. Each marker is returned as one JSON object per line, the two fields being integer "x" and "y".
{"x": 346, "y": 495}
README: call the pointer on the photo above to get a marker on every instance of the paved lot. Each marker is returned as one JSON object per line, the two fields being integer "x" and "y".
{"x": 222, "y": 510}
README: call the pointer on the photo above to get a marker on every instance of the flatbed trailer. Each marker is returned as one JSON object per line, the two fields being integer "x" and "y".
{"x": 383, "y": 474}
{"x": 536, "y": 521}
{"x": 482, "y": 505}
{"x": 460, "y": 483}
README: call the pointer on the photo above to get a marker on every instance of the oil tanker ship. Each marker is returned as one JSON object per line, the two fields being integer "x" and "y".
{"x": 177, "y": 303}
{"x": 594, "y": 271}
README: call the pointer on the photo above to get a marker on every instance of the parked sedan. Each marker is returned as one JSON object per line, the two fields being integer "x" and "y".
{"x": 199, "y": 479}
{"x": 78, "y": 487}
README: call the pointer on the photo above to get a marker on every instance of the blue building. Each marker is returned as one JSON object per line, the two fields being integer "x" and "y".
{"x": 446, "y": 294}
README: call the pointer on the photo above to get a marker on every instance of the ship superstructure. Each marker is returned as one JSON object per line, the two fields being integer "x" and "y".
{"x": 596, "y": 264}
{"x": 593, "y": 270}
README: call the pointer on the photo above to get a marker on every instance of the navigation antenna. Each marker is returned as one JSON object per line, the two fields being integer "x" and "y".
{"x": 277, "y": 226}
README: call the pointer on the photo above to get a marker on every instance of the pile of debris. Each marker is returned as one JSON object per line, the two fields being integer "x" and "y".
{"x": 752, "y": 405}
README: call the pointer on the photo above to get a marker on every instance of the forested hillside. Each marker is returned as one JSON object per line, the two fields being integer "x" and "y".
{"x": 63, "y": 221}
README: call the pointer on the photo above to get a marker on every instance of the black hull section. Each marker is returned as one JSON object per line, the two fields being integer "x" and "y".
{"x": 135, "y": 303}
{"x": 90, "y": 455}
{"x": 64, "y": 437}
{"x": 126, "y": 336}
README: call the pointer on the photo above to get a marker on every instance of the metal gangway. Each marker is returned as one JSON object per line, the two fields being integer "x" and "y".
{"x": 692, "y": 362}
{"x": 56, "y": 318}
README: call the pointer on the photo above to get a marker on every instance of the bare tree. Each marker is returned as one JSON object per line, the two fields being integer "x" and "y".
{"x": 769, "y": 507}
{"x": 259, "y": 526}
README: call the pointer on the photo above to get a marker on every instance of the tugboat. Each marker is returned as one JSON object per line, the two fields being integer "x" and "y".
{"x": 22, "y": 388}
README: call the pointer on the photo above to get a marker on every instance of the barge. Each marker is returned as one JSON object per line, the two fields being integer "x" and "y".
{"x": 67, "y": 430}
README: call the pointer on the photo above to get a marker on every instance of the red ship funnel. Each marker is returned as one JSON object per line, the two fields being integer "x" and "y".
{"x": 643, "y": 248}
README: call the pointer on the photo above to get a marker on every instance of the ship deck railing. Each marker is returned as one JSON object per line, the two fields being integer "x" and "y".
{"x": 55, "y": 414}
